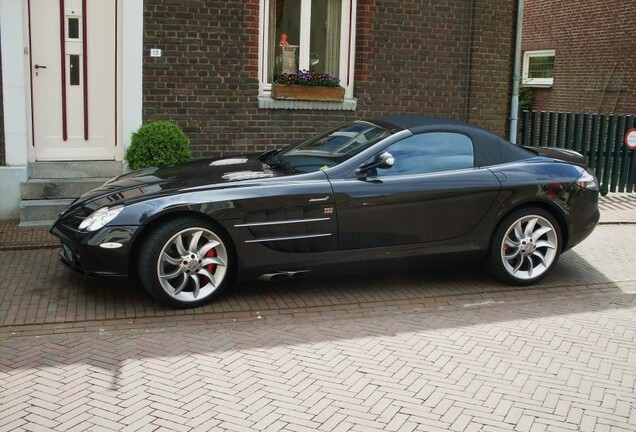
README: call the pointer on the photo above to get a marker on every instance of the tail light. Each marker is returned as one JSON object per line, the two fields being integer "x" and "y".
{"x": 588, "y": 180}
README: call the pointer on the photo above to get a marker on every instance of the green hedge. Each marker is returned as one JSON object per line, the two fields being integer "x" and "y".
{"x": 157, "y": 143}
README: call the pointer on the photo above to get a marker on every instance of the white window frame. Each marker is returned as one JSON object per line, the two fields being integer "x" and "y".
{"x": 536, "y": 82}
{"x": 347, "y": 56}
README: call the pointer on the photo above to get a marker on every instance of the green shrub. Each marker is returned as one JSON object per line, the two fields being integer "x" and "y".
{"x": 525, "y": 98}
{"x": 157, "y": 143}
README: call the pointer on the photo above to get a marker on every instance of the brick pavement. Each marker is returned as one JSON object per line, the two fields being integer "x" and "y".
{"x": 12, "y": 237}
{"x": 40, "y": 292}
{"x": 428, "y": 350}
{"x": 558, "y": 362}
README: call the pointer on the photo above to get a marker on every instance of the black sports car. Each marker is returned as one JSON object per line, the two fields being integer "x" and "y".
{"x": 392, "y": 187}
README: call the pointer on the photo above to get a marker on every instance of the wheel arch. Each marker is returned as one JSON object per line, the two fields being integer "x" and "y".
{"x": 552, "y": 209}
{"x": 147, "y": 229}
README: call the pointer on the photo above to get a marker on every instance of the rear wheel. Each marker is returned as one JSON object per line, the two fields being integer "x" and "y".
{"x": 185, "y": 262}
{"x": 525, "y": 247}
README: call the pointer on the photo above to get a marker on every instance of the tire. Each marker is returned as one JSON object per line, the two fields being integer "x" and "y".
{"x": 186, "y": 262}
{"x": 525, "y": 247}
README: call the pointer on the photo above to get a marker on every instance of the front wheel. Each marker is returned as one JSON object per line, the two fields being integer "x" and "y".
{"x": 185, "y": 262}
{"x": 525, "y": 247}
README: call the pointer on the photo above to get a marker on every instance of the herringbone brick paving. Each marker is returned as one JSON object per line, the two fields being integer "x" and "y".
{"x": 562, "y": 363}
{"x": 426, "y": 351}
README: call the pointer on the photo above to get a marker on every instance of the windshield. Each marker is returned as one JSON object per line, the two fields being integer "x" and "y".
{"x": 330, "y": 148}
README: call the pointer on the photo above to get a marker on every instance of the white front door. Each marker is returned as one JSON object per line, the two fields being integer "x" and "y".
{"x": 73, "y": 60}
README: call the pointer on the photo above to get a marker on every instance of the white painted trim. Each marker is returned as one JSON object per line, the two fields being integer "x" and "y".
{"x": 10, "y": 179}
{"x": 131, "y": 69}
{"x": 263, "y": 21}
{"x": 352, "y": 43}
{"x": 536, "y": 82}
{"x": 347, "y": 40}
{"x": 14, "y": 84}
{"x": 16, "y": 136}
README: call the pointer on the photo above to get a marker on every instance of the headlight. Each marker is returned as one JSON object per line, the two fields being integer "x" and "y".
{"x": 100, "y": 217}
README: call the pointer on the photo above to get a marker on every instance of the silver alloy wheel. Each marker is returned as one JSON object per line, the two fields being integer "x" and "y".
{"x": 192, "y": 264}
{"x": 529, "y": 247}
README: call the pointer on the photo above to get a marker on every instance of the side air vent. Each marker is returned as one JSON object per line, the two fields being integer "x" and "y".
{"x": 298, "y": 229}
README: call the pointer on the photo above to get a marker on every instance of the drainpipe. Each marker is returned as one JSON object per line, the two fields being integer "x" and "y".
{"x": 516, "y": 76}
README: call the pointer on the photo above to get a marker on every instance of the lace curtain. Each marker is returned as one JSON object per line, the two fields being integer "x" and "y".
{"x": 332, "y": 55}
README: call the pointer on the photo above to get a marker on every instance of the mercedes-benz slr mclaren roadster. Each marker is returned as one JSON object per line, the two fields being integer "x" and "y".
{"x": 398, "y": 187}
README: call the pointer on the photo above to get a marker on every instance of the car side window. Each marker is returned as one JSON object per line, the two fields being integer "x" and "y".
{"x": 430, "y": 152}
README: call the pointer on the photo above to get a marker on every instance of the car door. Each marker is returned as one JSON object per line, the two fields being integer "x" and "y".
{"x": 432, "y": 193}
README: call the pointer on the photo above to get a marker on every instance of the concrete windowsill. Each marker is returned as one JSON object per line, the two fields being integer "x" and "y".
{"x": 266, "y": 102}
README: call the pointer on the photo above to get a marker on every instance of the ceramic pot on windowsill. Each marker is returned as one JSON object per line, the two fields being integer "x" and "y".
{"x": 307, "y": 93}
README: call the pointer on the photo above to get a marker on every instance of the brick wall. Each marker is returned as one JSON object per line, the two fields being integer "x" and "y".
{"x": 448, "y": 58}
{"x": 595, "y": 65}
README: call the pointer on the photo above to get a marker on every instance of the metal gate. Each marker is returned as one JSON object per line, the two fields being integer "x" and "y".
{"x": 599, "y": 137}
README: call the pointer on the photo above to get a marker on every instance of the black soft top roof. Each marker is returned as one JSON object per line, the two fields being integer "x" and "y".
{"x": 417, "y": 123}
{"x": 489, "y": 148}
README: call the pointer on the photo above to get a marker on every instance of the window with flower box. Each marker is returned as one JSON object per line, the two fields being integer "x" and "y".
{"x": 314, "y": 36}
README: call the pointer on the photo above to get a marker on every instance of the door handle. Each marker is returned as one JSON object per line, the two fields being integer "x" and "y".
{"x": 37, "y": 66}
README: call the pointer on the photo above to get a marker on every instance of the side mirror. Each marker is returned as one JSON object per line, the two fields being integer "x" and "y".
{"x": 383, "y": 161}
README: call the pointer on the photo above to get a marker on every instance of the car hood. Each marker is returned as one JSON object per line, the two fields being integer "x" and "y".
{"x": 199, "y": 174}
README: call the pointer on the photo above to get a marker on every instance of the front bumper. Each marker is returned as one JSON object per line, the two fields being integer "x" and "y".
{"x": 104, "y": 252}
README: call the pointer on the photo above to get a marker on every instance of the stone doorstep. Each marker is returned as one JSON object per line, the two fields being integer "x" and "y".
{"x": 85, "y": 169}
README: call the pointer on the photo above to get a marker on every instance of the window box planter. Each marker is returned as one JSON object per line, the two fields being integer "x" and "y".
{"x": 309, "y": 93}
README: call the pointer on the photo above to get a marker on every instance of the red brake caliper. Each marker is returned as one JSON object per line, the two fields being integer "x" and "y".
{"x": 210, "y": 267}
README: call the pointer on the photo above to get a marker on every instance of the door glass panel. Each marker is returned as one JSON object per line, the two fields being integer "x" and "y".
{"x": 73, "y": 28}
{"x": 74, "y": 62}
